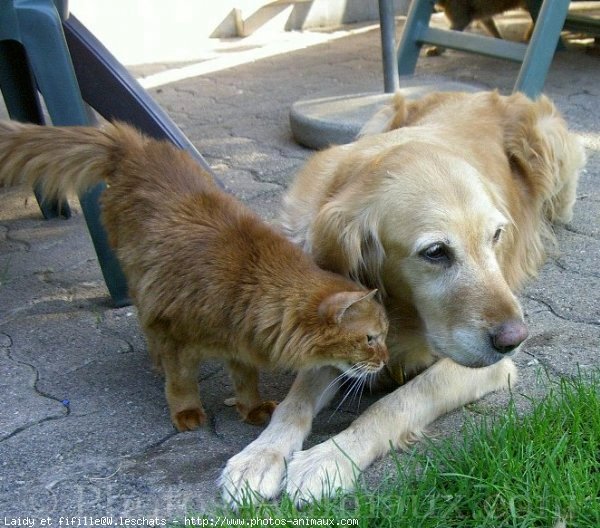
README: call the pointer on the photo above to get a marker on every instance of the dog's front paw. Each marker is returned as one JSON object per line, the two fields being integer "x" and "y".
{"x": 503, "y": 375}
{"x": 255, "y": 471}
{"x": 319, "y": 472}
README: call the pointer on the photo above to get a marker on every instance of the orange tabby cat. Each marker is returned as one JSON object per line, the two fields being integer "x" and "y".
{"x": 209, "y": 278}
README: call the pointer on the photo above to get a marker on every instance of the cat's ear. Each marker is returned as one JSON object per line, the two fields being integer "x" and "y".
{"x": 334, "y": 307}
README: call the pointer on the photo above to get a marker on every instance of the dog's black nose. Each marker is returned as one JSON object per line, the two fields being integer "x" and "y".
{"x": 509, "y": 335}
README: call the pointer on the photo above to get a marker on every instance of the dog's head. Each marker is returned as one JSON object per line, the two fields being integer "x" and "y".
{"x": 447, "y": 228}
{"x": 427, "y": 231}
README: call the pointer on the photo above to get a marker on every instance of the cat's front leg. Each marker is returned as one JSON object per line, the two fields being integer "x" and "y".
{"x": 394, "y": 420}
{"x": 259, "y": 469}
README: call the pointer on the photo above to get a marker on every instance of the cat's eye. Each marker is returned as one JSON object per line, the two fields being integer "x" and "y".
{"x": 437, "y": 253}
{"x": 371, "y": 340}
{"x": 497, "y": 235}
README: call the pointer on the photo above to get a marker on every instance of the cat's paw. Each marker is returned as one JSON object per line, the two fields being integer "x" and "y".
{"x": 260, "y": 414}
{"x": 255, "y": 471}
{"x": 319, "y": 472}
{"x": 189, "y": 419}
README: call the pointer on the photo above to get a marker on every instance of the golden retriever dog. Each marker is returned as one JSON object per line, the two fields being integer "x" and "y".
{"x": 446, "y": 205}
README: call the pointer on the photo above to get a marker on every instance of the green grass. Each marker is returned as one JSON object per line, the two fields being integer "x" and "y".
{"x": 510, "y": 471}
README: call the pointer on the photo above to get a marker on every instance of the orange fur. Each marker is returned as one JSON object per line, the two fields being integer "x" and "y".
{"x": 209, "y": 278}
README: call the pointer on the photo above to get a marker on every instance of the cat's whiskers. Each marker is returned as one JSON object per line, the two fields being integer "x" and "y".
{"x": 356, "y": 388}
{"x": 334, "y": 384}
{"x": 356, "y": 376}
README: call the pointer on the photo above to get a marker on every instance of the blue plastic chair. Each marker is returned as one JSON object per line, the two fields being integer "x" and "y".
{"x": 43, "y": 49}
{"x": 34, "y": 57}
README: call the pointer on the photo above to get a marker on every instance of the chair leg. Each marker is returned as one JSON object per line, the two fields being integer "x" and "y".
{"x": 387, "y": 28}
{"x": 409, "y": 48}
{"x": 541, "y": 48}
{"x": 23, "y": 104}
{"x": 43, "y": 38}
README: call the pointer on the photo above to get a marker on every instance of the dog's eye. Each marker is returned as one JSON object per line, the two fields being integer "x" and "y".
{"x": 437, "y": 254}
{"x": 497, "y": 234}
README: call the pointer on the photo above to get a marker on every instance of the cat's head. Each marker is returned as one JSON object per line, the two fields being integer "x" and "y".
{"x": 356, "y": 327}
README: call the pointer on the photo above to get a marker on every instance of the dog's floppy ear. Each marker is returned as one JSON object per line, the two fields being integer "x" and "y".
{"x": 545, "y": 160}
{"x": 345, "y": 239}
{"x": 544, "y": 154}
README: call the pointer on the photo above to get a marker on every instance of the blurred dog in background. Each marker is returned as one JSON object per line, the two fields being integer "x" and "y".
{"x": 460, "y": 13}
